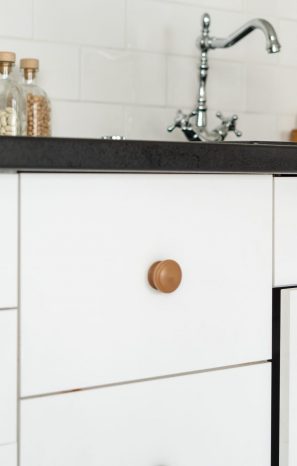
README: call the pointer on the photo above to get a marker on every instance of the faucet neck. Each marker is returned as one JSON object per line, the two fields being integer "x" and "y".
{"x": 203, "y": 44}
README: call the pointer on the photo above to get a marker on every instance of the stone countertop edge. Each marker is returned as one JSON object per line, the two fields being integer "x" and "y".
{"x": 24, "y": 154}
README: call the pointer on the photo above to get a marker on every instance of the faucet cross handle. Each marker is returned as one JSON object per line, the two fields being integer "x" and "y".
{"x": 228, "y": 124}
{"x": 181, "y": 120}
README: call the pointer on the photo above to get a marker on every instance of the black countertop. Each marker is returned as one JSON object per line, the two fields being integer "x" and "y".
{"x": 65, "y": 154}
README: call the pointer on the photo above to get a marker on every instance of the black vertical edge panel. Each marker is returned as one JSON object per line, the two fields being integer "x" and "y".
{"x": 275, "y": 386}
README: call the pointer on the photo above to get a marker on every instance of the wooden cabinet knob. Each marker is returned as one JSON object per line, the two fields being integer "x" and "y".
{"x": 165, "y": 276}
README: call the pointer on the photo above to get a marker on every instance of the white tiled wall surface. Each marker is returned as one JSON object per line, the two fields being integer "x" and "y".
{"x": 124, "y": 66}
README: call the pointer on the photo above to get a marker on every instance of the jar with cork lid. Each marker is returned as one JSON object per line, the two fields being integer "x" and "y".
{"x": 12, "y": 110}
{"x": 38, "y": 109}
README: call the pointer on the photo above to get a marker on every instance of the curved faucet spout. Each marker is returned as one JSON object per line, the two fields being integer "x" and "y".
{"x": 272, "y": 43}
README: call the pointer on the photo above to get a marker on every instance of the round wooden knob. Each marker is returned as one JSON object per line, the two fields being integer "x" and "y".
{"x": 165, "y": 276}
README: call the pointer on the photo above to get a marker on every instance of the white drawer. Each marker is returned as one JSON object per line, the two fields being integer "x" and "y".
{"x": 8, "y": 377}
{"x": 285, "y": 235}
{"x": 217, "y": 418}
{"x": 89, "y": 316}
{"x": 8, "y": 455}
{"x": 8, "y": 240}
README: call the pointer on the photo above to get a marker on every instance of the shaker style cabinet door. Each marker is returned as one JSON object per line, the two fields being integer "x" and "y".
{"x": 219, "y": 418}
{"x": 8, "y": 240}
{"x": 288, "y": 378}
{"x": 285, "y": 234}
{"x": 89, "y": 317}
{"x": 8, "y": 455}
{"x": 8, "y": 377}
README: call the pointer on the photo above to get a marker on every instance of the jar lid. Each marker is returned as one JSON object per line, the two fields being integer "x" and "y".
{"x": 29, "y": 63}
{"x": 7, "y": 57}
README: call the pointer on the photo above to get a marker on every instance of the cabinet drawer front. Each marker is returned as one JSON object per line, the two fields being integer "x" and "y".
{"x": 8, "y": 240}
{"x": 8, "y": 373}
{"x": 213, "y": 419}
{"x": 8, "y": 455}
{"x": 285, "y": 244}
{"x": 89, "y": 316}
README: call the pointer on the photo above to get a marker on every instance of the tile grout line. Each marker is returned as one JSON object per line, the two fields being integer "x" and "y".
{"x": 162, "y": 107}
{"x": 80, "y": 71}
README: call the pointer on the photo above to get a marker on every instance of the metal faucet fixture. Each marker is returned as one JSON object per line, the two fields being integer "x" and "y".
{"x": 198, "y": 131}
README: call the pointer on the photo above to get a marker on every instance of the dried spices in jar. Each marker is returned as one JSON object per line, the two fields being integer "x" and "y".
{"x": 38, "y": 109}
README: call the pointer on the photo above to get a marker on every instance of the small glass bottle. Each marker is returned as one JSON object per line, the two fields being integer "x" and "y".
{"x": 11, "y": 99}
{"x": 38, "y": 109}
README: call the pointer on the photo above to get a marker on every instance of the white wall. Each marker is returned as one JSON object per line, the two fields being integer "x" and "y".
{"x": 125, "y": 66}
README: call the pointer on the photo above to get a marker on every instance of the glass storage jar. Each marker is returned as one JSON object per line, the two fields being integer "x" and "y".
{"x": 38, "y": 109}
{"x": 12, "y": 116}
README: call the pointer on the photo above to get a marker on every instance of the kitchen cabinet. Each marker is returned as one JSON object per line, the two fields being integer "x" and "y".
{"x": 8, "y": 455}
{"x": 111, "y": 371}
{"x": 8, "y": 377}
{"x": 89, "y": 316}
{"x": 8, "y": 240}
{"x": 216, "y": 418}
{"x": 285, "y": 231}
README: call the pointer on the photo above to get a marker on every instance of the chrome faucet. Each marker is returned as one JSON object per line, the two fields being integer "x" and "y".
{"x": 198, "y": 131}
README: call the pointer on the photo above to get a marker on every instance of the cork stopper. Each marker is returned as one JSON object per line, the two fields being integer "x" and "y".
{"x": 29, "y": 63}
{"x": 7, "y": 57}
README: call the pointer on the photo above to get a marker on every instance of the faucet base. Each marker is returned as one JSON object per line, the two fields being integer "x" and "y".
{"x": 196, "y": 133}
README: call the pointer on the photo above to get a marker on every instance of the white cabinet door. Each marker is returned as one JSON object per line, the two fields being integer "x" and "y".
{"x": 8, "y": 455}
{"x": 219, "y": 418}
{"x": 8, "y": 377}
{"x": 285, "y": 245}
{"x": 288, "y": 378}
{"x": 89, "y": 316}
{"x": 8, "y": 240}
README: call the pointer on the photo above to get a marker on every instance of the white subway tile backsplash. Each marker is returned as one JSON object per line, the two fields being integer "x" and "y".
{"x": 182, "y": 78}
{"x": 59, "y": 65}
{"x": 126, "y": 66}
{"x": 127, "y": 77}
{"x": 286, "y": 95}
{"x": 287, "y": 9}
{"x": 262, "y": 89}
{"x": 232, "y": 5}
{"x": 87, "y": 120}
{"x": 261, "y": 7}
{"x": 221, "y": 4}
{"x": 150, "y": 123}
{"x": 227, "y": 86}
{"x": 16, "y": 18}
{"x": 163, "y": 27}
{"x": 285, "y": 123}
{"x": 258, "y": 127}
{"x": 288, "y": 35}
{"x": 92, "y": 22}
